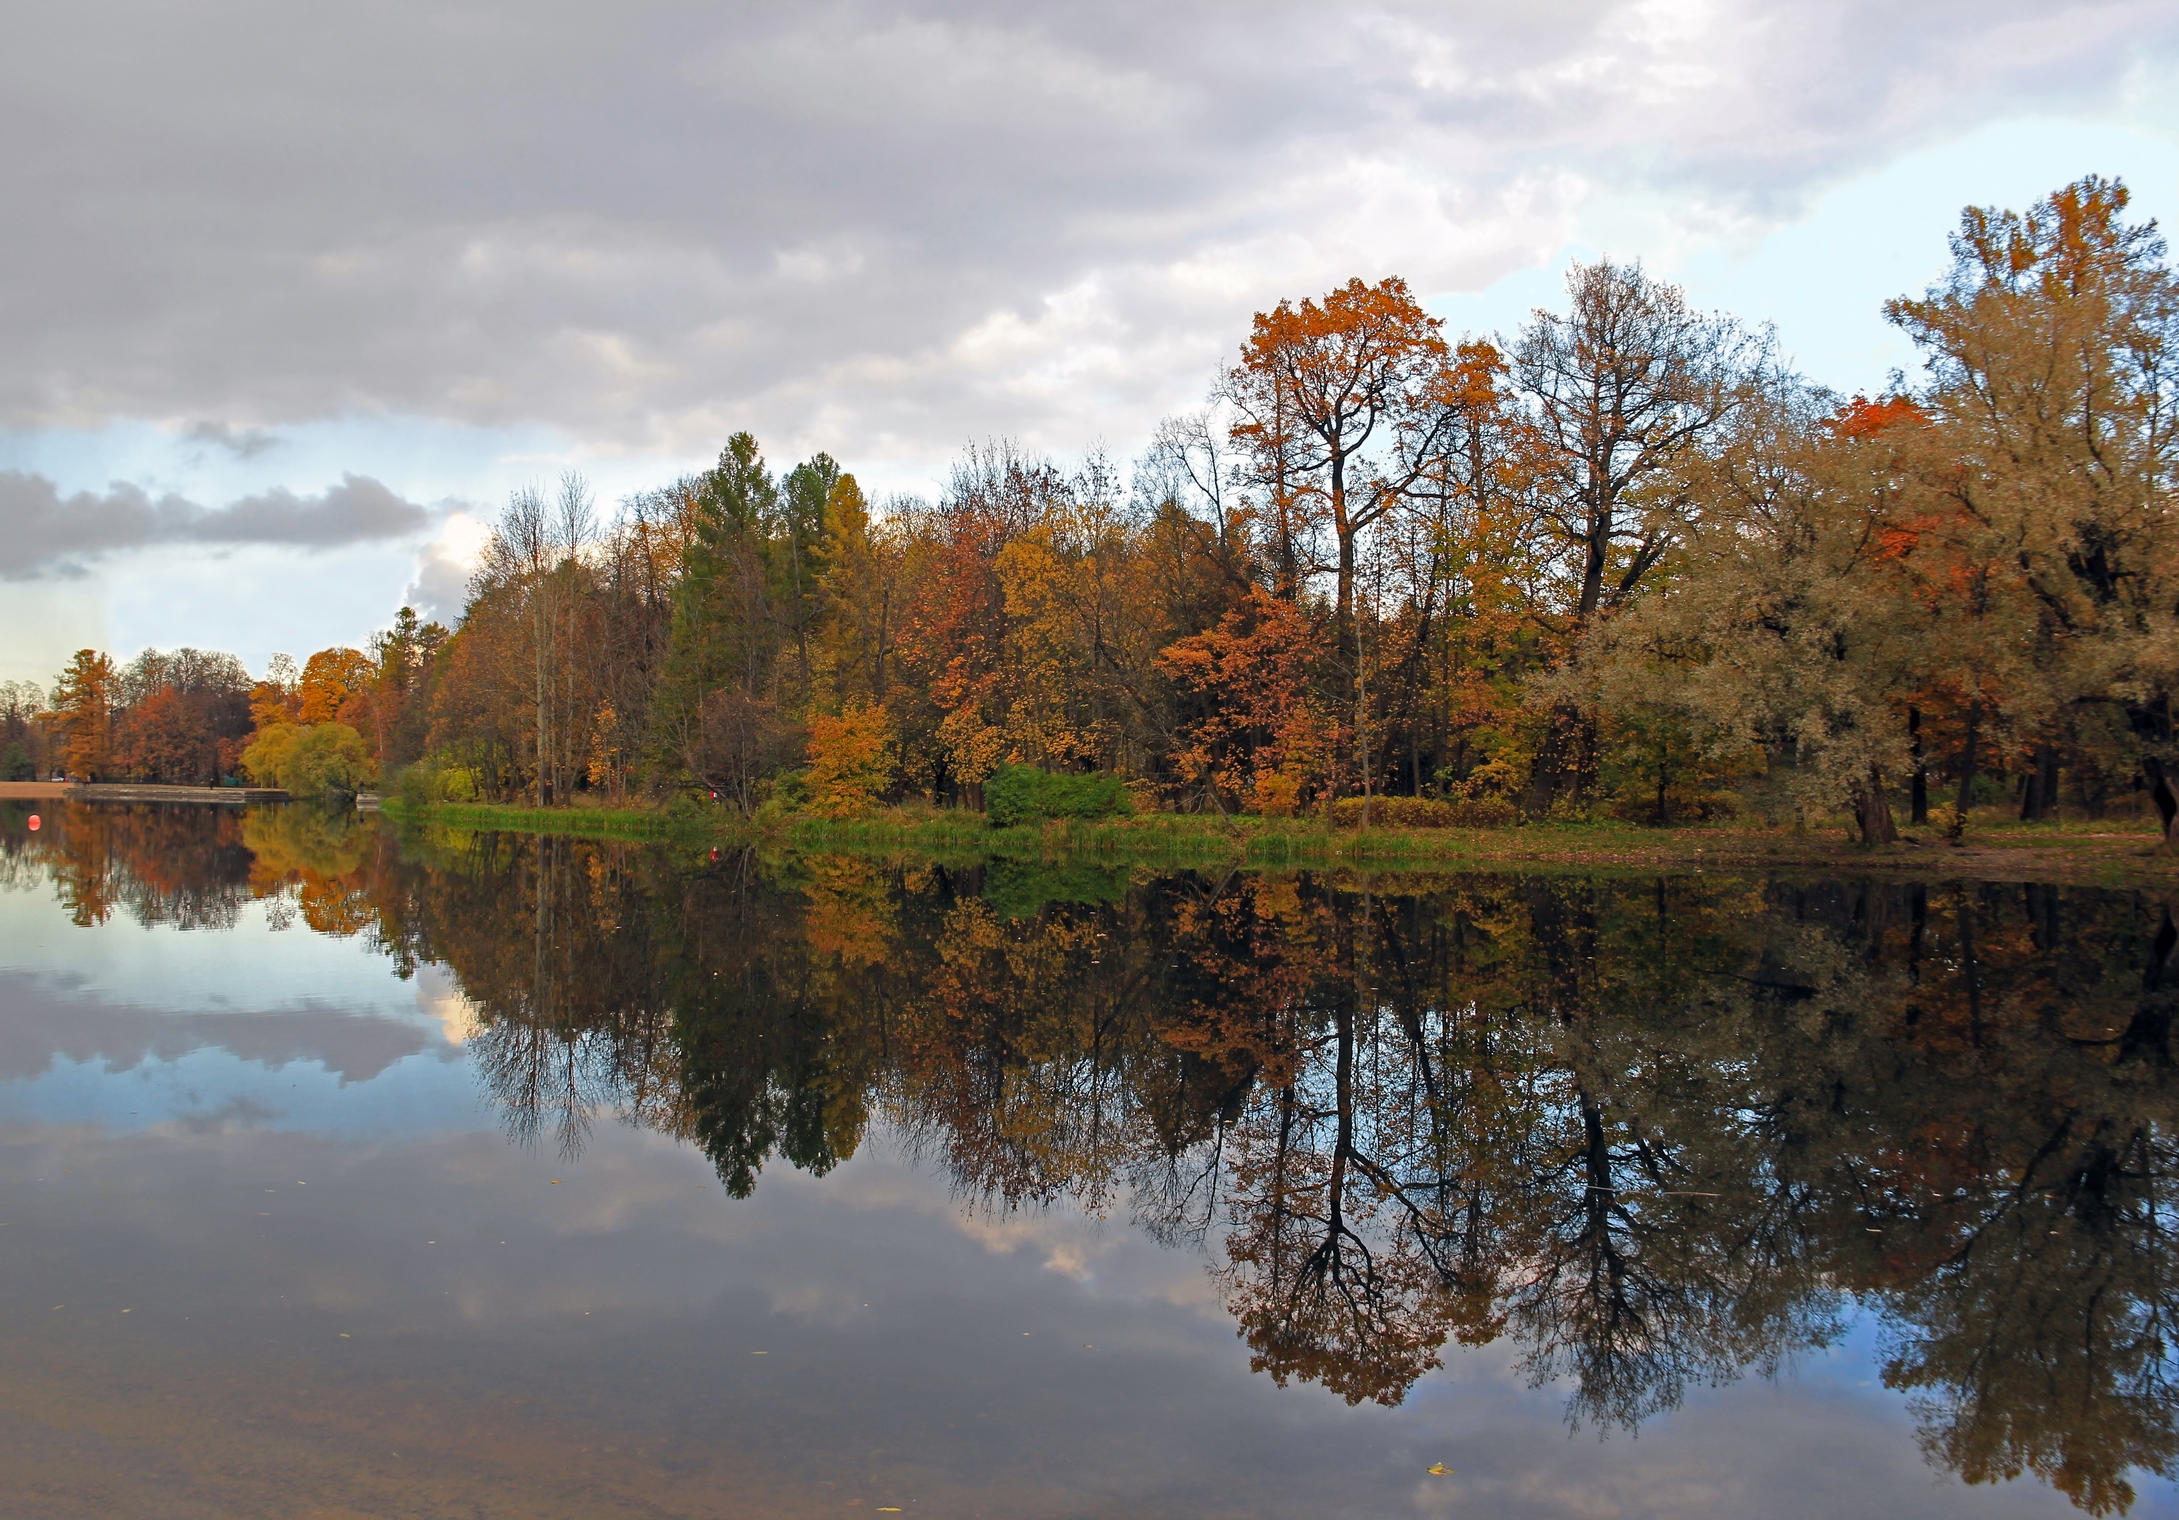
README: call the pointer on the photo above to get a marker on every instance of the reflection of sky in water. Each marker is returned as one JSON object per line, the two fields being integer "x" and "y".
{"x": 273, "y": 1155}
{"x": 254, "y": 967}
{"x": 130, "y": 1026}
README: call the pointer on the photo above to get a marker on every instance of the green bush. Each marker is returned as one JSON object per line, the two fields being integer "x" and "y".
{"x": 309, "y": 759}
{"x": 432, "y": 780}
{"x": 15, "y": 763}
{"x": 1424, "y": 813}
{"x": 1018, "y": 794}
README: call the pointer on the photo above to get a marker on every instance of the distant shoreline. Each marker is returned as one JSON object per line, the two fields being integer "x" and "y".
{"x": 2115, "y": 853}
{"x": 127, "y": 791}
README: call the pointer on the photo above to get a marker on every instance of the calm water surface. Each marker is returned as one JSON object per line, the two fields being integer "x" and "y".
{"x": 458, "y": 1175}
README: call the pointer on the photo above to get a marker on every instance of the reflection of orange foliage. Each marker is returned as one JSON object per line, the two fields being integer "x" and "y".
{"x": 850, "y": 911}
{"x": 324, "y": 858}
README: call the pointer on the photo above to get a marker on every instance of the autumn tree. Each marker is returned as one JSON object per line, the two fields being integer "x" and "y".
{"x": 850, "y": 761}
{"x": 82, "y": 714}
{"x": 1336, "y": 417}
{"x": 864, "y": 558}
{"x": 2052, "y": 450}
{"x": 332, "y": 679}
{"x": 1626, "y": 393}
{"x": 23, "y": 737}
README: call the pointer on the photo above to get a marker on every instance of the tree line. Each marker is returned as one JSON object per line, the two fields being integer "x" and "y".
{"x": 1621, "y": 562}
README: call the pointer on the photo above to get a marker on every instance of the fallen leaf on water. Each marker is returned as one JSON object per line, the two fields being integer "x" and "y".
{"x": 1439, "y": 1470}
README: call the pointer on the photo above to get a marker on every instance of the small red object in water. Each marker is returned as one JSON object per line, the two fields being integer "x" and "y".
{"x": 35, "y": 825}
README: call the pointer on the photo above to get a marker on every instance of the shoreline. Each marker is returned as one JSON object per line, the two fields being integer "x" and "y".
{"x": 2109, "y": 853}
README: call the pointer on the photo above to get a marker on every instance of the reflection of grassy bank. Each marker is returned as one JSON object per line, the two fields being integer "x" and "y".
{"x": 2111, "y": 851}
{"x": 586, "y": 823}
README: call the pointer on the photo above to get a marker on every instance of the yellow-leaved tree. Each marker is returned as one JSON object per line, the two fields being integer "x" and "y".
{"x": 851, "y": 761}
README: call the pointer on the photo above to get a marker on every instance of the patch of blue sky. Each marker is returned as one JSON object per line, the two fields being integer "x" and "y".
{"x": 1822, "y": 278}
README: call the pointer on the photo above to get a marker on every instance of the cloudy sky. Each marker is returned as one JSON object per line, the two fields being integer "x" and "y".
{"x": 291, "y": 296}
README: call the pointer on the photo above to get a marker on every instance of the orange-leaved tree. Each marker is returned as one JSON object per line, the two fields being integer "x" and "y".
{"x": 332, "y": 678}
{"x": 1338, "y": 417}
{"x": 1254, "y": 732}
{"x": 83, "y": 713}
{"x": 851, "y": 761}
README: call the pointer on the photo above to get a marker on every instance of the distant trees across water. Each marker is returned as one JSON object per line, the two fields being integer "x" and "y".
{"x": 1621, "y": 562}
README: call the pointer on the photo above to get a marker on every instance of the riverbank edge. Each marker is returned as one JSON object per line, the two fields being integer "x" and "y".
{"x": 2110, "y": 854}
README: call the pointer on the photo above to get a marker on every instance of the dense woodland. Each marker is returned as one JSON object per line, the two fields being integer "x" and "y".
{"x": 1622, "y": 562}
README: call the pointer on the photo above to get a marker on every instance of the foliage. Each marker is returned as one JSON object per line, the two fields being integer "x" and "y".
{"x": 1024, "y": 794}
{"x": 850, "y": 761}
{"x": 1422, "y": 813}
{"x": 83, "y": 701}
{"x": 309, "y": 759}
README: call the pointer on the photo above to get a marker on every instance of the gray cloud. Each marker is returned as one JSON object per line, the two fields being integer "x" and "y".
{"x": 242, "y": 443}
{"x": 46, "y": 534}
{"x": 894, "y": 226}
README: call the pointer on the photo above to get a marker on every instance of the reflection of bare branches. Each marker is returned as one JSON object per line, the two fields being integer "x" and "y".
{"x": 1652, "y": 1134}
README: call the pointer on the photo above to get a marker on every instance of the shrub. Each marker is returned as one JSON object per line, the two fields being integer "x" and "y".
{"x": 1485, "y": 813}
{"x": 1018, "y": 794}
{"x": 434, "y": 779}
{"x": 15, "y": 763}
{"x": 1424, "y": 813}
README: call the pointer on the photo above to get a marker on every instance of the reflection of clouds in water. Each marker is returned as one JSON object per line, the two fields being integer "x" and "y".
{"x": 45, "y": 1022}
{"x": 1105, "y": 1260}
{"x": 1067, "y": 1247}
{"x": 240, "y": 1112}
{"x": 445, "y": 1004}
{"x": 250, "y": 967}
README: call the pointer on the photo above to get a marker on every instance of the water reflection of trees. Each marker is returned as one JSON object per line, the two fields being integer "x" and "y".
{"x": 1655, "y": 1135}
{"x": 194, "y": 866}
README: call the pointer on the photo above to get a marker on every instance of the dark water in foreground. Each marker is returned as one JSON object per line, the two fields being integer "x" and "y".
{"x": 483, "y": 1176}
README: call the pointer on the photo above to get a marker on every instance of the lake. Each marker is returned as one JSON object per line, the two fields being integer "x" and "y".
{"x": 355, "y": 1173}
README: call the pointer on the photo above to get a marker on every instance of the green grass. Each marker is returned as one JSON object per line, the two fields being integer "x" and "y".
{"x": 2115, "y": 852}
{"x": 639, "y": 824}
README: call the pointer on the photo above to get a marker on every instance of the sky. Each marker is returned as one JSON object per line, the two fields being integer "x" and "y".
{"x": 293, "y": 296}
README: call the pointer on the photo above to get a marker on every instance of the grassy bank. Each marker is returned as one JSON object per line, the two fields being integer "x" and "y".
{"x": 2116, "y": 853}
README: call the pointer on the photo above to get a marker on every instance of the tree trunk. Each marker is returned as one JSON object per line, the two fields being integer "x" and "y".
{"x": 538, "y": 619}
{"x": 1967, "y": 755}
{"x": 2166, "y": 799}
{"x": 1872, "y": 810}
{"x": 1918, "y": 813}
{"x": 2039, "y": 793}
